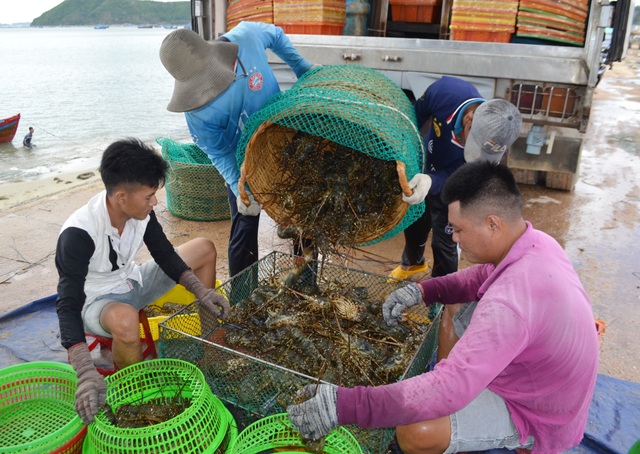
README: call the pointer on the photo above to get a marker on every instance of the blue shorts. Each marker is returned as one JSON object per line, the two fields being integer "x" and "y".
{"x": 485, "y": 423}
{"x": 156, "y": 284}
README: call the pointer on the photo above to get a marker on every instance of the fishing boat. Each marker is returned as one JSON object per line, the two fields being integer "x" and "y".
{"x": 101, "y": 26}
{"x": 8, "y": 128}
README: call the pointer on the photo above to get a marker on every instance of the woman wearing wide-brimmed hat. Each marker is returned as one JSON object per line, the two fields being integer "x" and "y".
{"x": 218, "y": 85}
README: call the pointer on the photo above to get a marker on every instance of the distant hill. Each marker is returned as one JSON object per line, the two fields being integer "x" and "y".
{"x": 90, "y": 12}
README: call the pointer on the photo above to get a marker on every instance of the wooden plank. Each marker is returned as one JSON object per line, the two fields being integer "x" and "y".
{"x": 524, "y": 176}
{"x": 561, "y": 180}
{"x": 564, "y": 181}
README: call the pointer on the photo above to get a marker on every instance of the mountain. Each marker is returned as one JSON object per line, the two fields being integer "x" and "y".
{"x": 90, "y": 12}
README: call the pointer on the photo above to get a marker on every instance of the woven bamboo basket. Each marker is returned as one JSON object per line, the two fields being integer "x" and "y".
{"x": 263, "y": 171}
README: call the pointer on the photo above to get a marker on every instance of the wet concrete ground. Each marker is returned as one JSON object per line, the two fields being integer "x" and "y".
{"x": 598, "y": 224}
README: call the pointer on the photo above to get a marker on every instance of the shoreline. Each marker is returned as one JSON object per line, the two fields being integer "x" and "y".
{"x": 18, "y": 193}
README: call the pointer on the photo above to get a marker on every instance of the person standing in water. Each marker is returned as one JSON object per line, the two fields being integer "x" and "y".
{"x": 27, "y": 139}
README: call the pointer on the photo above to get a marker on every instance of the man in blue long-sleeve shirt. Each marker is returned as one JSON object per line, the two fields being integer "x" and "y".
{"x": 218, "y": 86}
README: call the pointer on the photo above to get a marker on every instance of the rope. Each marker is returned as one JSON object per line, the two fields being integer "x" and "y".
{"x": 38, "y": 127}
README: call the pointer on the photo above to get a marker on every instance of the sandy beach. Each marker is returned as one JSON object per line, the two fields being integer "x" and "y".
{"x": 15, "y": 194}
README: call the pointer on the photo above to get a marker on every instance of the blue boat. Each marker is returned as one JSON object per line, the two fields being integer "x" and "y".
{"x": 101, "y": 26}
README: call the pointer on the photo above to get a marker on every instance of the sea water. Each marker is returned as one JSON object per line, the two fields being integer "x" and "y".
{"x": 81, "y": 89}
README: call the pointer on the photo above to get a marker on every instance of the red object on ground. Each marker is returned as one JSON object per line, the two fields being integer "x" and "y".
{"x": 8, "y": 128}
{"x": 149, "y": 350}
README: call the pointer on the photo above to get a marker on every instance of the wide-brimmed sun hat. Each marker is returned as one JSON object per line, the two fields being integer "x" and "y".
{"x": 202, "y": 70}
{"x": 495, "y": 126}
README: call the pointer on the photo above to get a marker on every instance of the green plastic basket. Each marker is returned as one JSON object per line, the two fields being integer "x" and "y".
{"x": 277, "y": 432}
{"x": 195, "y": 189}
{"x": 231, "y": 436}
{"x": 200, "y": 429}
{"x": 37, "y": 408}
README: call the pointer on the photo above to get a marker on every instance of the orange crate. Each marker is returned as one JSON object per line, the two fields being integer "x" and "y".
{"x": 425, "y": 11}
{"x": 249, "y": 10}
{"x": 332, "y": 12}
{"x": 310, "y": 28}
{"x": 560, "y": 102}
{"x": 463, "y": 34}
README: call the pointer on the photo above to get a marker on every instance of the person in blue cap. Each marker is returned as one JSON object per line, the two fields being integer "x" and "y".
{"x": 463, "y": 128}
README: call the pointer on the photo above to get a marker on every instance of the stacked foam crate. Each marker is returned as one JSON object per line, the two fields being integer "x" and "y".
{"x": 486, "y": 20}
{"x": 562, "y": 21}
{"x": 249, "y": 10}
{"x": 321, "y": 17}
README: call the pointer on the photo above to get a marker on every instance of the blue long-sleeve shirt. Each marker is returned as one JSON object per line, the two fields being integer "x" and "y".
{"x": 444, "y": 101}
{"x": 216, "y": 127}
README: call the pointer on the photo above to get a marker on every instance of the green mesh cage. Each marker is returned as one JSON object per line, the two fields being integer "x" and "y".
{"x": 195, "y": 189}
{"x": 242, "y": 377}
{"x": 352, "y": 107}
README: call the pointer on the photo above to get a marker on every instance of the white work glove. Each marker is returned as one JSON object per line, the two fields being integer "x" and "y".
{"x": 398, "y": 301}
{"x": 420, "y": 183}
{"x": 317, "y": 416}
{"x": 213, "y": 301}
{"x": 252, "y": 210}
{"x": 92, "y": 389}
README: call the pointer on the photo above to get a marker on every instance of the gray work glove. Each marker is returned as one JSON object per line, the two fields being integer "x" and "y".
{"x": 252, "y": 210}
{"x": 209, "y": 298}
{"x": 92, "y": 389}
{"x": 420, "y": 183}
{"x": 317, "y": 416}
{"x": 398, "y": 301}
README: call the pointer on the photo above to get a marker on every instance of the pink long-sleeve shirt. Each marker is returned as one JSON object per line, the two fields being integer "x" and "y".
{"x": 531, "y": 339}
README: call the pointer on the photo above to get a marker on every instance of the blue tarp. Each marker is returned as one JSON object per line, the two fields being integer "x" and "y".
{"x": 31, "y": 333}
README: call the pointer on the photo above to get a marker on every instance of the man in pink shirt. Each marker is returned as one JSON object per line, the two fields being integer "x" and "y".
{"x": 522, "y": 365}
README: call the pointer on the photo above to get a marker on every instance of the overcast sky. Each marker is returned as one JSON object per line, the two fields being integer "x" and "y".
{"x": 12, "y": 11}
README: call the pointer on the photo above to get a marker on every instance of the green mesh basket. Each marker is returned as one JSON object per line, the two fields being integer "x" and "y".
{"x": 231, "y": 436}
{"x": 200, "y": 429}
{"x": 37, "y": 408}
{"x": 195, "y": 189}
{"x": 340, "y": 109}
{"x": 277, "y": 432}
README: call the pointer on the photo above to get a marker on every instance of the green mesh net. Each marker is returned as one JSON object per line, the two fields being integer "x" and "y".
{"x": 195, "y": 189}
{"x": 324, "y": 156}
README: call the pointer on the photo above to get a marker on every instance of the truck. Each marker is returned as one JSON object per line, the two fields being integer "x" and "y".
{"x": 552, "y": 85}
